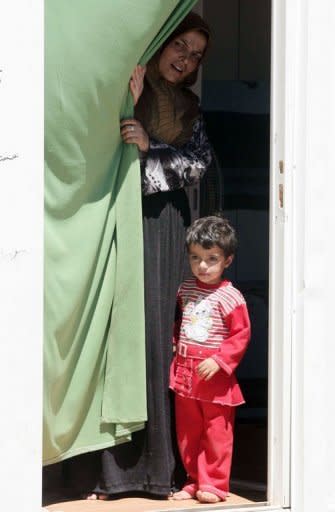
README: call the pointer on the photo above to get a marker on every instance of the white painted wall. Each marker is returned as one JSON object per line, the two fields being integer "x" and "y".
{"x": 21, "y": 264}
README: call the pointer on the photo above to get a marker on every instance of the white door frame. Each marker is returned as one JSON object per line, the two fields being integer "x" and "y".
{"x": 281, "y": 260}
{"x": 302, "y": 354}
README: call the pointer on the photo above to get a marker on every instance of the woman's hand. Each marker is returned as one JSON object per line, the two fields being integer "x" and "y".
{"x": 136, "y": 82}
{"x": 207, "y": 368}
{"x": 132, "y": 132}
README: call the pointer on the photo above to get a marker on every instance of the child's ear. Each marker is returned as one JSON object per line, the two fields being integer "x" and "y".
{"x": 229, "y": 261}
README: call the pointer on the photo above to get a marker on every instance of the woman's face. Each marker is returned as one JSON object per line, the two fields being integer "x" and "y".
{"x": 182, "y": 56}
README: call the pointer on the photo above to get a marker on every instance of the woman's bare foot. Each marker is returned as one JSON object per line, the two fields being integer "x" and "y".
{"x": 208, "y": 497}
{"x": 92, "y": 496}
{"x": 181, "y": 495}
{"x": 95, "y": 496}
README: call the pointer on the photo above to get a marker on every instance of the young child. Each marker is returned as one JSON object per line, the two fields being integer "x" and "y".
{"x": 212, "y": 332}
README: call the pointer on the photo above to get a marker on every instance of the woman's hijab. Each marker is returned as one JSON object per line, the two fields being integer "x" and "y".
{"x": 167, "y": 111}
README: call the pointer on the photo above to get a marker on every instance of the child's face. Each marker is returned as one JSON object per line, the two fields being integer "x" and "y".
{"x": 208, "y": 264}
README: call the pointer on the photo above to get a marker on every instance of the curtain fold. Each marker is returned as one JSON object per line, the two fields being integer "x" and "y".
{"x": 94, "y": 351}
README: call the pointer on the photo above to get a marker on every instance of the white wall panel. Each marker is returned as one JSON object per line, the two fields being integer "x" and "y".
{"x": 21, "y": 263}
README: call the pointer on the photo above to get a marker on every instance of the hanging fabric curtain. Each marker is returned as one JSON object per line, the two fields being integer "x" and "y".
{"x": 94, "y": 360}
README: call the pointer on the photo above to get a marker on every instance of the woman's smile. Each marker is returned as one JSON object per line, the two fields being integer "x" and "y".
{"x": 178, "y": 67}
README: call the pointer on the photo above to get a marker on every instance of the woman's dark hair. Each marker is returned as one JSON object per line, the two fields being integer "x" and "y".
{"x": 192, "y": 21}
{"x": 210, "y": 231}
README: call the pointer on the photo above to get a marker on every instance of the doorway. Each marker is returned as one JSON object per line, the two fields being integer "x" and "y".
{"x": 236, "y": 103}
{"x": 235, "y": 98}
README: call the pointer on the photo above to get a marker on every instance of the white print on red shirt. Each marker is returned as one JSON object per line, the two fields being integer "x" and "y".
{"x": 198, "y": 320}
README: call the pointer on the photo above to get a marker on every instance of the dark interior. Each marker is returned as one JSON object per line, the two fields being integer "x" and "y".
{"x": 235, "y": 97}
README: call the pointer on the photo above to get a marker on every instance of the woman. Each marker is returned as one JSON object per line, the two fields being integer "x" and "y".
{"x": 174, "y": 151}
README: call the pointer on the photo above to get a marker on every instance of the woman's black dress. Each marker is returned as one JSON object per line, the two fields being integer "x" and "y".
{"x": 147, "y": 463}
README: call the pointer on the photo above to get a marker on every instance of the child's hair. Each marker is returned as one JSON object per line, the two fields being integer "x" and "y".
{"x": 210, "y": 231}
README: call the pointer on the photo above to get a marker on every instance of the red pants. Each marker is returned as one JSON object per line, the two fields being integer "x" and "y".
{"x": 205, "y": 440}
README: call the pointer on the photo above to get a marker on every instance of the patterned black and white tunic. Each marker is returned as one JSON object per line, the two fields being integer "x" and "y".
{"x": 166, "y": 168}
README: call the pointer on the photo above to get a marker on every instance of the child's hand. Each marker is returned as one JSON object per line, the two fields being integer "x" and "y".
{"x": 207, "y": 368}
{"x": 136, "y": 82}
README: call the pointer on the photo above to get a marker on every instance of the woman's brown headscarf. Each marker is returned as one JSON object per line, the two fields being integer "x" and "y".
{"x": 168, "y": 111}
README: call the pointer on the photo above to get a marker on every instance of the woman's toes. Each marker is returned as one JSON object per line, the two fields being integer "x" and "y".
{"x": 96, "y": 496}
{"x": 103, "y": 497}
{"x": 91, "y": 496}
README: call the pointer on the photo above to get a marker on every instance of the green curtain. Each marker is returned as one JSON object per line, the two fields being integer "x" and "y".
{"x": 94, "y": 358}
